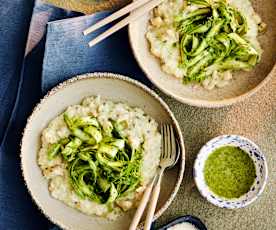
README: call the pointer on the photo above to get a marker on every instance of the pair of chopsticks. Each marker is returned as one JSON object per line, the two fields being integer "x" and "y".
{"x": 142, "y": 6}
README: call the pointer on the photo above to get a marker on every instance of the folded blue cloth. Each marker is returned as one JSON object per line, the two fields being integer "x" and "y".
{"x": 19, "y": 90}
{"x": 66, "y": 55}
{"x": 67, "y": 52}
{"x": 14, "y": 23}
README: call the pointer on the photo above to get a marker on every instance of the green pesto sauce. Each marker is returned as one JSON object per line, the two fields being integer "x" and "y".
{"x": 229, "y": 172}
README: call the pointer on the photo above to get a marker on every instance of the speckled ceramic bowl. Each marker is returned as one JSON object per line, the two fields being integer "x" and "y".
{"x": 109, "y": 86}
{"x": 256, "y": 155}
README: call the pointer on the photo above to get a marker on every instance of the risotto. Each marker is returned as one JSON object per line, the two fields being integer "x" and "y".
{"x": 203, "y": 41}
{"x": 98, "y": 156}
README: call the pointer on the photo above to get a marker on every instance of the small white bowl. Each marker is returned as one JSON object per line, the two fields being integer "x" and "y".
{"x": 256, "y": 155}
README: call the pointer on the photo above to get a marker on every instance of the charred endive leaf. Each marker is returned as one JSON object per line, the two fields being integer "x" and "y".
{"x": 212, "y": 39}
{"x": 102, "y": 166}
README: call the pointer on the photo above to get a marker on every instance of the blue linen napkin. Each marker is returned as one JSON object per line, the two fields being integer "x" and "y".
{"x": 15, "y": 19}
{"x": 67, "y": 52}
{"x": 19, "y": 91}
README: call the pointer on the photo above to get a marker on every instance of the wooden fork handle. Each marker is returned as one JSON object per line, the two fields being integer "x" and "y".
{"x": 142, "y": 206}
{"x": 153, "y": 201}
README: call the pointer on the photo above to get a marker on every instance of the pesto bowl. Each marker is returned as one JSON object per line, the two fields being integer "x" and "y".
{"x": 255, "y": 155}
{"x": 109, "y": 86}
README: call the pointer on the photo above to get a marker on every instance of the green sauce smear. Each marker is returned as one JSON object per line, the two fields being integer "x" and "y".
{"x": 229, "y": 172}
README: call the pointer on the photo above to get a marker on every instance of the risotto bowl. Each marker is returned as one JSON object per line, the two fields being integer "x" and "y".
{"x": 111, "y": 87}
{"x": 244, "y": 83}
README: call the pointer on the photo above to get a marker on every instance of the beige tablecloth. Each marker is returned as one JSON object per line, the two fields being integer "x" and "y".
{"x": 254, "y": 118}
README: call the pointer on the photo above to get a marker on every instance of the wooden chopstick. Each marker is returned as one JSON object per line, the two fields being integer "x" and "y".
{"x": 133, "y": 16}
{"x": 130, "y": 7}
{"x": 142, "y": 206}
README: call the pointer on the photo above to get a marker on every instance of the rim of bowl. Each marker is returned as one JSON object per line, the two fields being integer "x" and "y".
{"x": 199, "y": 102}
{"x": 265, "y": 170}
{"x": 129, "y": 80}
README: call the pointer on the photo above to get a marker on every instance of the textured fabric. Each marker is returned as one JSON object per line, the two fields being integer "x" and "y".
{"x": 11, "y": 52}
{"x": 67, "y": 52}
{"x": 19, "y": 90}
{"x": 16, "y": 208}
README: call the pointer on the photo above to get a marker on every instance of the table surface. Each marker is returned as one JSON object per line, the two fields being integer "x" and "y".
{"x": 254, "y": 118}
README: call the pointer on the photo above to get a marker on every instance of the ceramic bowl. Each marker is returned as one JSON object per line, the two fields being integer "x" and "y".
{"x": 244, "y": 83}
{"x": 112, "y": 87}
{"x": 255, "y": 154}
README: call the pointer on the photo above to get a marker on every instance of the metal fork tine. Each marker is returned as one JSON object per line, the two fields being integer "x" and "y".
{"x": 166, "y": 142}
{"x": 169, "y": 150}
{"x": 169, "y": 140}
{"x": 173, "y": 144}
{"x": 163, "y": 142}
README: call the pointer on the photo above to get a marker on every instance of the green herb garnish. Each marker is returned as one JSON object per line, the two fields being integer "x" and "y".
{"x": 212, "y": 39}
{"x": 101, "y": 163}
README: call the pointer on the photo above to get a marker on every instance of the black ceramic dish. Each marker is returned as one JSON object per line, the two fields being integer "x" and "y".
{"x": 188, "y": 218}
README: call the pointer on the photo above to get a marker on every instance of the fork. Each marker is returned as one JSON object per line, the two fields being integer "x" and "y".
{"x": 169, "y": 157}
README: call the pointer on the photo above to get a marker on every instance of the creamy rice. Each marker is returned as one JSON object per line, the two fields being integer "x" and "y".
{"x": 163, "y": 37}
{"x": 140, "y": 127}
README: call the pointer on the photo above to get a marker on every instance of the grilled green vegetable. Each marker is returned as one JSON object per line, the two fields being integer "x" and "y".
{"x": 86, "y": 121}
{"x": 113, "y": 194}
{"x": 94, "y": 132}
{"x": 101, "y": 164}
{"x": 212, "y": 39}
{"x": 70, "y": 150}
{"x": 53, "y": 150}
{"x": 109, "y": 150}
{"x": 103, "y": 184}
{"x": 83, "y": 136}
